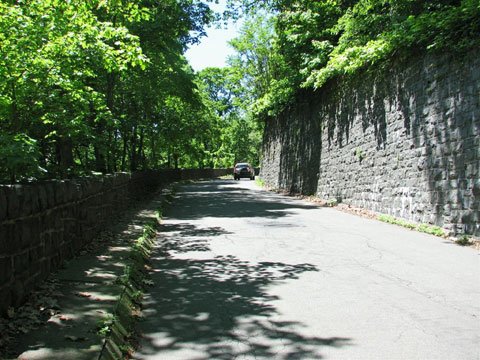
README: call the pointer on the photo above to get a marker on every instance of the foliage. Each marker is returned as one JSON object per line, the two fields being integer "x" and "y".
{"x": 429, "y": 229}
{"x": 372, "y": 31}
{"x": 332, "y": 203}
{"x": 19, "y": 156}
{"x": 317, "y": 40}
{"x": 260, "y": 182}
{"x": 237, "y": 137}
{"x": 359, "y": 154}
{"x": 260, "y": 69}
{"x": 432, "y": 230}
{"x": 99, "y": 86}
{"x": 392, "y": 220}
{"x": 463, "y": 240}
{"x": 103, "y": 85}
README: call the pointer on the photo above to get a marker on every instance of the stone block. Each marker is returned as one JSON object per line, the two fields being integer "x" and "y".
{"x": 48, "y": 244}
{"x": 4, "y": 238}
{"x": 50, "y": 194}
{"x": 466, "y": 217}
{"x": 42, "y": 197}
{"x": 121, "y": 179}
{"x": 25, "y": 232}
{"x": 69, "y": 191}
{"x": 76, "y": 190}
{"x": 108, "y": 181}
{"x": 475, "y": 186}
{"x": 20, "y": 288}
{"x": 3, "y": 204}
{"x": 9, "y": 239}
{"x": 60, "y": 192}
{"x": 5, "y": 299}
{"x": 6, "y": 270}
{"x": 21, "y": 263}
{"x": 45, "y": 267}
{"x": 28, "y": 201}
{"x": 13, "y": 197}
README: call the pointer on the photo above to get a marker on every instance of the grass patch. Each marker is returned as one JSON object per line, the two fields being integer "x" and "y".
{"x": 463, "y": 240}
{"x": 259, "y": 182}
{"x": 432, "y": 230}
{"x": 425, "y": 228}
{"x": 331, "y": 203}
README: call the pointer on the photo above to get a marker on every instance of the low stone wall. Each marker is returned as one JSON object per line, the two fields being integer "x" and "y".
{"x": 403, "y": 140}
{"x": 45, "y": 223}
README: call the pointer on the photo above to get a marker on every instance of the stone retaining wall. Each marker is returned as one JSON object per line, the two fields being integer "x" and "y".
{"x": 43, "y": 224}
{"x": 402, "y": 140}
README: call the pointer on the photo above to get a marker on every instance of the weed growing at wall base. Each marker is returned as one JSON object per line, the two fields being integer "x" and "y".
{"x": 425, "y": 228}
{"x": 332, "y": 203}
{"x": 260, "y": 182}
{"x": 433, "y": 230}
{"x": 463, "y": 240}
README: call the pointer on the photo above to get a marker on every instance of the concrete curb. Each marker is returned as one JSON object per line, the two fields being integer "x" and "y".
{"x": 121, "y": 331}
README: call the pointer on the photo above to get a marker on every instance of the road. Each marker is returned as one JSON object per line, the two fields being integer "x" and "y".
{"x": 241, "y": 273}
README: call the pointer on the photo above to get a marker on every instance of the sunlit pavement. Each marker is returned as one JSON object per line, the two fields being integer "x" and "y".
{"x": 241, "y": 273}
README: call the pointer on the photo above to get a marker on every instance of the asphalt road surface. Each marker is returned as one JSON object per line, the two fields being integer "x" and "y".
{"x": 241, "y": 273}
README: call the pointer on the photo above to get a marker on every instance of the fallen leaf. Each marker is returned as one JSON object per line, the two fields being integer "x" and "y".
{"x": 84, "y": 294}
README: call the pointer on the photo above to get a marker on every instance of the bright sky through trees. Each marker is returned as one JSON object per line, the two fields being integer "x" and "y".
{"x": 213, "y": 49}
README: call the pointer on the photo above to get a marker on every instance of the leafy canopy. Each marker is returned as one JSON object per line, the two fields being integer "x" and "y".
{"x": 312, "y": 41}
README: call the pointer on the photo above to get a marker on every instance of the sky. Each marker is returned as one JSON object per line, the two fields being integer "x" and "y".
{"x": 213, "y": 50}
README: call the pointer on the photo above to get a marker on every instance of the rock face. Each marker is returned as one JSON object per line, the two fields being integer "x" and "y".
{"x": 402, "y": 140}
{"x": 43, "y": 224}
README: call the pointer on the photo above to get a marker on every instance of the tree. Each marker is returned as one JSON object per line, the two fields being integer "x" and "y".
{"x": 88, "y": 83}
{"x": 317, "y": 40}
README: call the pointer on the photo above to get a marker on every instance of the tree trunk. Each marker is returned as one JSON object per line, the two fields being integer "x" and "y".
{"x": 140, "y": 157}
{"x": 100, "y": 162}
{"x": 133, "y": 150}
{"x": 153, "y": 150}
{"x": 124, "y": 153}
{"x": 175, "y": 159}
{"x": 64, "y": 154}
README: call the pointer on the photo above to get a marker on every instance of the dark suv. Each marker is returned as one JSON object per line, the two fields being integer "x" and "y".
{"x": 243, "y": 170}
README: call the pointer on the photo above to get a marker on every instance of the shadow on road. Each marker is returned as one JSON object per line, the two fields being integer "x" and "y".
{"x": 220, "y": 307}
{"x": 223, "y": 198}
